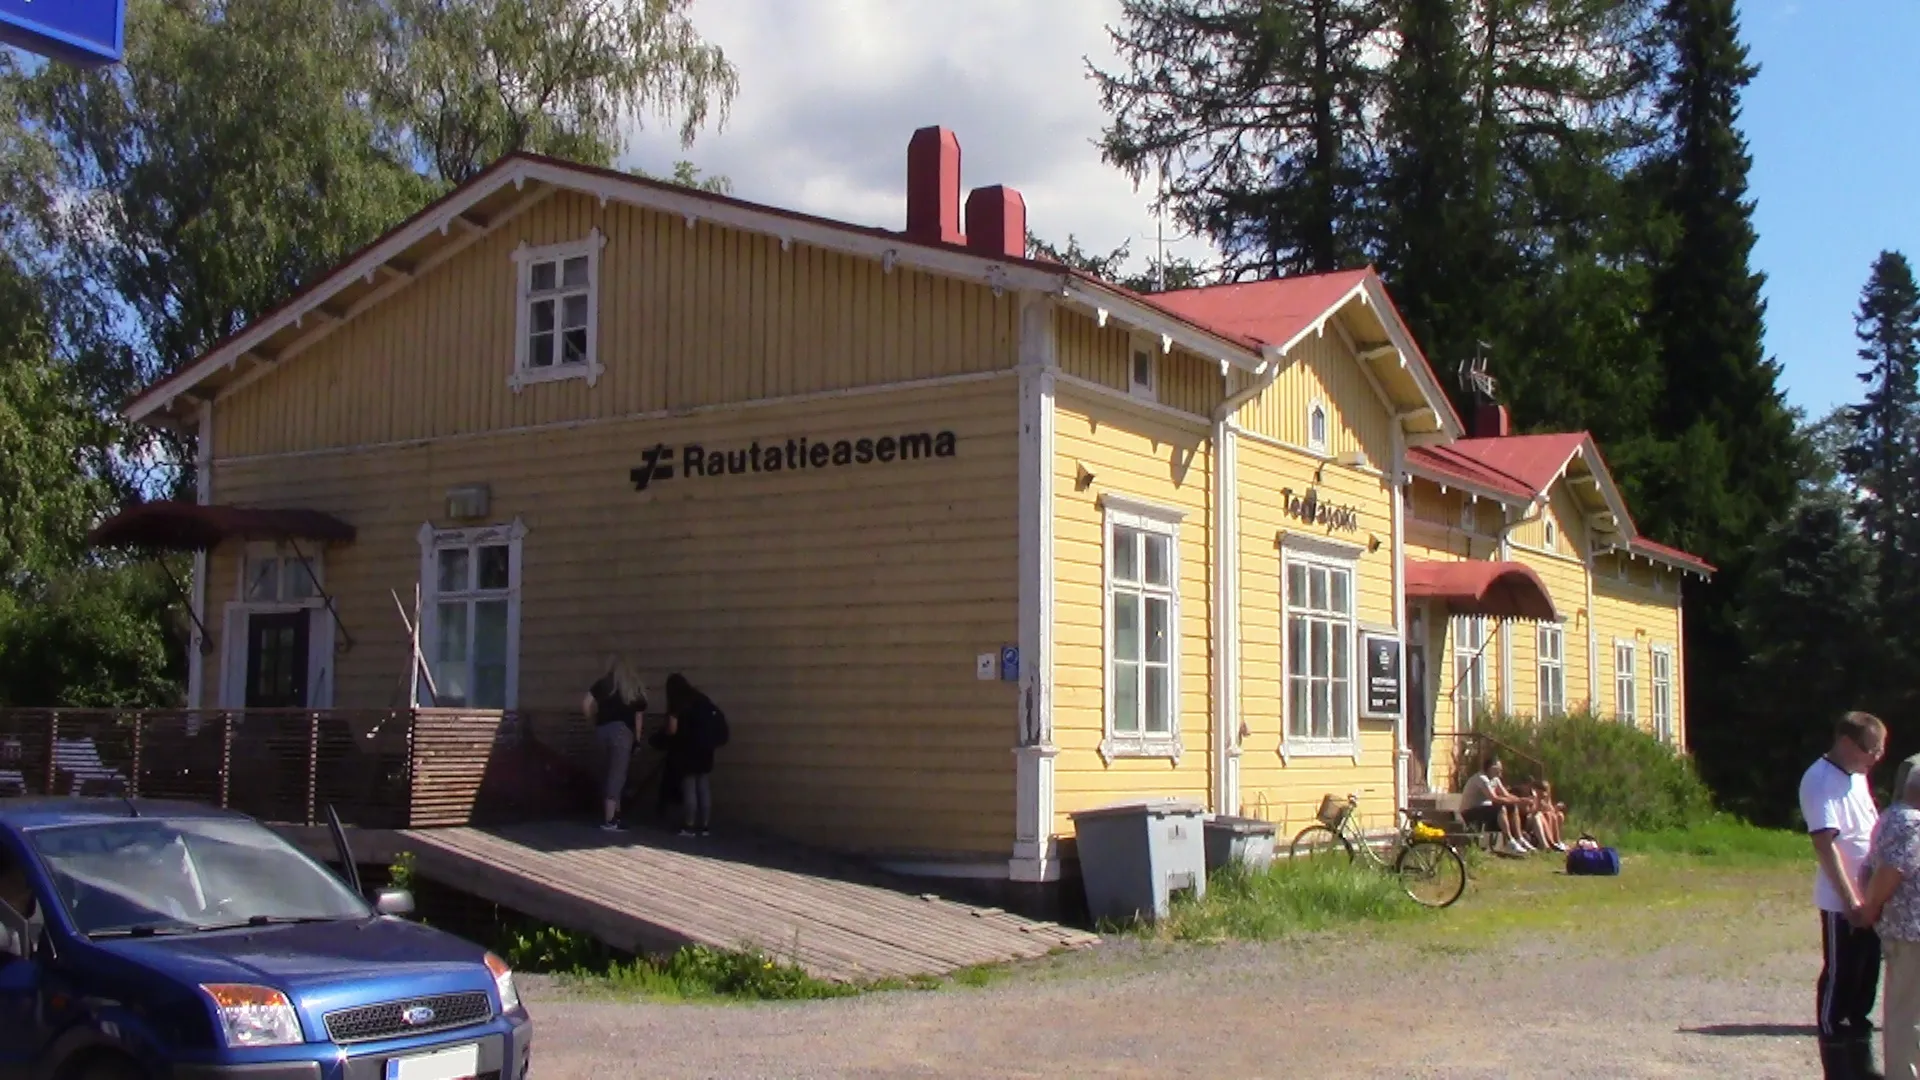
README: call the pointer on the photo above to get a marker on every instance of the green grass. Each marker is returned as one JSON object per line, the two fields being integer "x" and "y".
{"x": 1290, "y": 898}
{"x": 1723, "y": 841}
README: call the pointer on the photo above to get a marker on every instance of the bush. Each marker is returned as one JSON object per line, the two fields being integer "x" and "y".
{"x": 1609, "y": 774}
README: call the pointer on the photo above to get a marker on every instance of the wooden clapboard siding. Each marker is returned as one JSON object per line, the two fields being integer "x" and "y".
{"x": 834, "y": 614}
{"x": 688, "y": 317}
{"x": 1284, "y": 791}
{"x": 1148, "y": 457}
{"x": 1322, "y": 369}
{"x": 1101, "y": 355}
{"x": 1638, "y": 604}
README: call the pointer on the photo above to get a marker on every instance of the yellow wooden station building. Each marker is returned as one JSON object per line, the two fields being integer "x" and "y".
{"x": 962, "y": 541}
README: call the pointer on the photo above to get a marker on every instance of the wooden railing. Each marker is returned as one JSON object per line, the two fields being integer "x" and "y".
{"x": 377, "y": 768}
{"x": 1471, "y": 749}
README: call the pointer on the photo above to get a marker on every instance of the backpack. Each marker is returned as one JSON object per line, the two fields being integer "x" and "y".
{"x": 1588, "y": 858}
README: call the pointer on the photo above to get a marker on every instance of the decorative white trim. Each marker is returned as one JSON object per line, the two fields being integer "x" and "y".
{"x": 202, "y": 494}
{"x": 1314, "y": 546}
{"x": 1505, "y": 630}
{"x": 1318, "y": 447}
{"x": 1112, "y": 502}
{"x": 1128, "y": 401}
{"x": 639, "y": 417}
{"x": 1225, "y": 620}
{"x": 1593, "y": 632}
{"x": 1402, "y": 486}
{"x": 1445, "y": 481}
{"x": 1035, "y": 851}
{"x": 432, "y": 541}
{"x": 1291, "y": 747}
{"x": 1680, "y": 678}
{"x": 524, "y": 258}
{"x": 1156, "y": 520}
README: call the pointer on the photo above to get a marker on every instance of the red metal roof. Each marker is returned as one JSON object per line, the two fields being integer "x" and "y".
{"x": 170, "y": 525}
{"x": 1273, "y": 311}
{"x": 1444, "y": 461}
{"x": 1502, "y": 590}
{"x": 1656, "y": 549}
{"x": 1536, "y": 461}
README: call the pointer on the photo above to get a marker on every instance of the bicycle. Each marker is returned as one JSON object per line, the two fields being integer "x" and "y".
{"x": 1429, "y": 868}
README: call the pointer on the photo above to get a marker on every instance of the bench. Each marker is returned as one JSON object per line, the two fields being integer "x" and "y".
{"x": 12, "y": 780}
{"x": 1442, "y": 810}
{"x": 80, "y": 759}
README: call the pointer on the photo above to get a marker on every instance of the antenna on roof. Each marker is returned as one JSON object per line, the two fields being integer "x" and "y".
{"x": 1474, "y": 378}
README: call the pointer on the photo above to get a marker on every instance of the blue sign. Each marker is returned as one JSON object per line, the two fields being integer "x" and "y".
{"x": 1010, "y": 663}
{"x": 85, "y": 33}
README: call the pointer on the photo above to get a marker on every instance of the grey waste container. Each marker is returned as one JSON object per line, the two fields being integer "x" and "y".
{"x": 1135, "y": 855}
{"x": 1248, "y": 841}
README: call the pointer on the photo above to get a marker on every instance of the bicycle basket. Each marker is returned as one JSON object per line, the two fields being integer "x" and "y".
{"x": 1333, "y": 811}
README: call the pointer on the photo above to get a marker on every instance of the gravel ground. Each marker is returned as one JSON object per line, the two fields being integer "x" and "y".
{"x": 1679, "y": 1001}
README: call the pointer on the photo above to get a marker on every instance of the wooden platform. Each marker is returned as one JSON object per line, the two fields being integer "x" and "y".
{"x": 649, "y": 892}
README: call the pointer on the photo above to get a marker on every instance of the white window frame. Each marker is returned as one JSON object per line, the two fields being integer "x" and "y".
{"x": 1468, "y": 693}
{"x": 1553, "y": 536}
{"x": 1626, "y": 682}
{"x": 1662, "y": 657}
{"x": 1152, "y": 519}
{"x": 1550, "y": 671}
{"x": 1313, "y": 552}
{"x": 524, "y": 258}
{"x": 1137, "y": 346}
{"x": 432, "y": 542}
{"x": 1317, "y": 408}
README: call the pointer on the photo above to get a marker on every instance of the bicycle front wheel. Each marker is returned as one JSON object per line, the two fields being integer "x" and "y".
{"x": 1432, "y": 873}
{"x": 1317, "y": 844}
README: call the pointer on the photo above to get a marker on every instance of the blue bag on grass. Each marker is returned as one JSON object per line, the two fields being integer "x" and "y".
{"x": 1588, "y": 858}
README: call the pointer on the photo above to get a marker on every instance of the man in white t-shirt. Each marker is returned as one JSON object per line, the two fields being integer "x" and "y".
{"x": 1840, "y": 815}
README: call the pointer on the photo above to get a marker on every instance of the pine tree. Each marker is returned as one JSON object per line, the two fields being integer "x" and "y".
{"x": 1264, "y": 108}
{"x": 1883, "y": 454}
{"x": 1729, "y": 455}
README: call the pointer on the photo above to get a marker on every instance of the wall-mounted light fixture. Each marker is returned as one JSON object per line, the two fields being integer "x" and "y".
{"x": 468, "y": 502}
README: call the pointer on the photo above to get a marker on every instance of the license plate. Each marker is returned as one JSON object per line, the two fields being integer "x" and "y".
{"x": 459, "y": 1063}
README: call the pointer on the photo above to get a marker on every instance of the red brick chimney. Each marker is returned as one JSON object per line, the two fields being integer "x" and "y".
{"x": 933, "y": 187}
{"x": 1490, "y": 421}
{"x": 997, "y": 222}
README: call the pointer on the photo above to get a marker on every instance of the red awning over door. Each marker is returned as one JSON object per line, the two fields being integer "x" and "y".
{"x": 1502, "y": 590}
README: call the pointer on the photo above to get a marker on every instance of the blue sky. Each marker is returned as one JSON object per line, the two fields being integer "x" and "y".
{"x": 1833, "y": 123}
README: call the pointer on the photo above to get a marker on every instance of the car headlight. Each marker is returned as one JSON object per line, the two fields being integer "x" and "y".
{"x": 503, "y": 982}
{"x": 254, "y": 1015}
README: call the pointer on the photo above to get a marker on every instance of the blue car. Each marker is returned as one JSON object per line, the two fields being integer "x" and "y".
{"x": 146, "y": 940}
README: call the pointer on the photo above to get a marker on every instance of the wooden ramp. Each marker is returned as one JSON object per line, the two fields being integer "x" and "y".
{"x": 651, "y": 893}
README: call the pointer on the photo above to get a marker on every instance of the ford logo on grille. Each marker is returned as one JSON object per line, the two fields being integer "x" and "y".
{"x": 417, "y": 1016}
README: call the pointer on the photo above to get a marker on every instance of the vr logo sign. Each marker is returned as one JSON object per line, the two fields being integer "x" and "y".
{"x": 85, "y": 33}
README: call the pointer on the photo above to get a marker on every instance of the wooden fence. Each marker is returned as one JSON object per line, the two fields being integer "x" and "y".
{"x": 377, "y": 768}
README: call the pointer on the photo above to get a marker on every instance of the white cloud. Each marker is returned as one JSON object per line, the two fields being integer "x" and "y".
{"x": 831, "y": 90}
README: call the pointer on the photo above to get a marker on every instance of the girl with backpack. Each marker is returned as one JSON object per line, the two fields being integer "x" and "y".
{"x": 695, "y": 729}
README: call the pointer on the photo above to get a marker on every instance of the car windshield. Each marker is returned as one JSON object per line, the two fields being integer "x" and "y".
{"x": 155, "y": 876}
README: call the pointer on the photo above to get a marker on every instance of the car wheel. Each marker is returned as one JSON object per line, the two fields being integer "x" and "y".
{"x": 106, "y": 1067}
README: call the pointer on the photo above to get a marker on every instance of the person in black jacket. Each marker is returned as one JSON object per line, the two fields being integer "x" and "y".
{"x": 695, "y": 728}
{"x": 614, "y": 704}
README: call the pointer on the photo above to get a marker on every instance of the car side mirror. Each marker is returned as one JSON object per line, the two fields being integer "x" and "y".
{"x": 395, "y": 902}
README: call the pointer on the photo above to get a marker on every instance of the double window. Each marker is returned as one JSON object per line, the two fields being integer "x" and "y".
{"x": 1663, "y": 694}
{"x": 1143, "y": 619}
{"x": 1469, "y": 668}
{"x": 1625, "y": 693}
{"x": 558, "y": 312}
{"x": 275, "y": 575}
{"x": 1553, "y": 670}
{"x": 470, "y": 607}
{"x": 1319, "y": 616}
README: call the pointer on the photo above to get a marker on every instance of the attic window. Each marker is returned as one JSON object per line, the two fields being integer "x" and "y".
{"x": 1468, "y": 519}
{"x": 1553, "y": 535}
{"x": 559, "y": 312}
{"x": 1143, "y": 373}
{"x": 1317, "y": 427}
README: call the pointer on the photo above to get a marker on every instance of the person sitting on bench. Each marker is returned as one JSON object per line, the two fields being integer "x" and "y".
{"x": 1487, "y": 805}
{"x": 1544, "y": 818}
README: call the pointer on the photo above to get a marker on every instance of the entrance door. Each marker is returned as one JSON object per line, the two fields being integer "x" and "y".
{"x": 277, "y": 660}
{"x": 1419, "y": 717}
